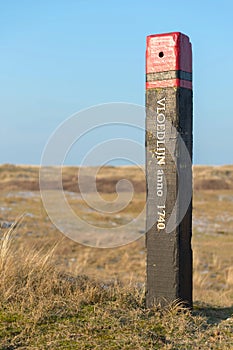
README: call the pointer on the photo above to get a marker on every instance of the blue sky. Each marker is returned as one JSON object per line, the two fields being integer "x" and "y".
{"x": 58, "y": 57}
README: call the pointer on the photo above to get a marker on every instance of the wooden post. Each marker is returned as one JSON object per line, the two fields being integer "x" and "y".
{"x": 169, "y": 168}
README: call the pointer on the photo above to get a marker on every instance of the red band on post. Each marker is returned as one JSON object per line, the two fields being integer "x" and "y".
{"x": 168, "y": 52}
{"x": 169, "y": 83}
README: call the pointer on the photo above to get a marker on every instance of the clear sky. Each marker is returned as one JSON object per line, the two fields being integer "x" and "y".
{"x": 58, "y": 57}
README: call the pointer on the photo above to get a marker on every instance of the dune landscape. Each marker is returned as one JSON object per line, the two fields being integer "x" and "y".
{"x": 59, "y": 294}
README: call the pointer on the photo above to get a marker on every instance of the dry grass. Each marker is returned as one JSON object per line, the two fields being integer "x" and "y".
{"x": 213, "y": 177}
{"x": 43, "y": 308}
{"x": 23, "y": 177}
{"x": 58, "y": 294}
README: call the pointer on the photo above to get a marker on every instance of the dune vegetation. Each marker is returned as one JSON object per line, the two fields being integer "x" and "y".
{"x": 58, "y": 294}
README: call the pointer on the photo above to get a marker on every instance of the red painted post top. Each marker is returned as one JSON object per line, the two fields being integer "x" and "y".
{"x": 170, "y": 54}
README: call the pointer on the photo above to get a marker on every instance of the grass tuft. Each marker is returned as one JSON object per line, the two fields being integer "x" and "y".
{"x": 42, "y": 307}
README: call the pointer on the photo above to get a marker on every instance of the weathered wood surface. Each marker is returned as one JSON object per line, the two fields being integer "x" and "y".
{"x": 169, "y": 169}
